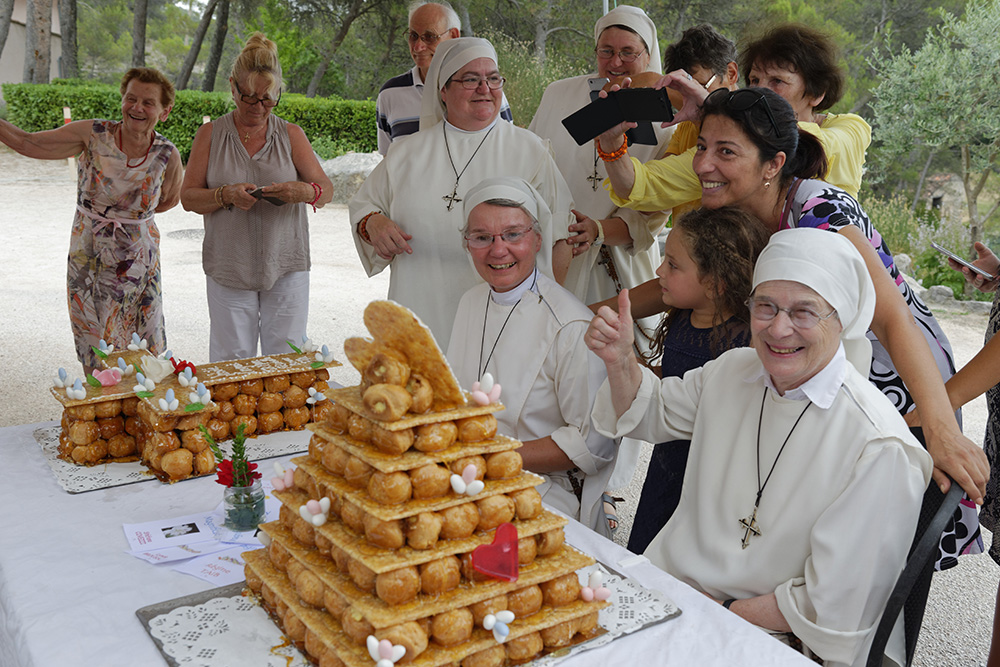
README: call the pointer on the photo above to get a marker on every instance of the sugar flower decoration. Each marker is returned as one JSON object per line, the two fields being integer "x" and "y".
{"x": 466, "y": 483}
{"x": 103, "y": 346}
{"x": 263, "y": 538}
{"x": 60, "y": 378}
{"x": 126, "y": 369}
{"x": 315, "y": 511}
{"x": 498, "y": 623}
{"x": 315, "y": 396}
{"x": 201, "y": 394}
{"x": 384, "y": 653}
{"x": 324, "y": 355}
{"x": 285, "y": 478}
{"x": 77, "y": 391}
{"x": 486, "y": 391}
{"x": 169, "y": 354}
{"x": 180, "y": 366}
{"x": 138, "y": 343}
{"x": 156, "y": 369}
{"x": 108, "y": 377}
{"x": 169, "y": 402}
{"x": 595, "y": 590}
{"x": 187, "y": 378}
{"x": 143, "y": 383}
{"x": 308, "y": 345}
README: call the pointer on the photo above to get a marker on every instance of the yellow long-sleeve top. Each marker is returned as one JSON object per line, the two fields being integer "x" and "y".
{"x": 670, "y": 182}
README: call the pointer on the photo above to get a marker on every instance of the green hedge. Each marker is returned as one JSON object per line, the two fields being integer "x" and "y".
{"x": 334, "y": 124}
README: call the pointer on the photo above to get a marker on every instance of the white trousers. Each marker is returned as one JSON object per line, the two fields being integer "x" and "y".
{"x": 241, "y": 318}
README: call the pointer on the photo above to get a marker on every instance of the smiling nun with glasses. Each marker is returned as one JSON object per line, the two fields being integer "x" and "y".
{"x": 802, "y": 475}
{"x": 526, "y": 331}
{"x": 406, "y": 212}
{"x": 253, "y": 176}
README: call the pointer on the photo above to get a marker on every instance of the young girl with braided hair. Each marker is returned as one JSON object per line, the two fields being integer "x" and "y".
{"x": 705, "y": 281}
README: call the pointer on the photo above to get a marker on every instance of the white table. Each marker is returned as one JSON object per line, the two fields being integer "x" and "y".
{"x": 69, "y": 590}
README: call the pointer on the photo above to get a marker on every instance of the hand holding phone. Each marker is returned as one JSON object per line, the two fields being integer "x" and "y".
{"x": 260, "y": 194}
{"x": 958, "y": 260}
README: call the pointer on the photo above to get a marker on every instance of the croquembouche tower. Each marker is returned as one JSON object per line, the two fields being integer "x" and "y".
{"x": 410, "y": 534}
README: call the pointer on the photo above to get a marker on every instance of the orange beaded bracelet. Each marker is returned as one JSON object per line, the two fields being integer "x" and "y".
{"x": 363, "y": 227}
{"x": 614, "y": 155}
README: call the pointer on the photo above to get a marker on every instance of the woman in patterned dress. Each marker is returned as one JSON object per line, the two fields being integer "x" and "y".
{"x": 126, "y": 172}
{"x": 751, "y": 154}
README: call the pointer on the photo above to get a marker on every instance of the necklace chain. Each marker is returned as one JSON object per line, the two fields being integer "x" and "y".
{"x": 486, "y": 311}
{"x": 453, "y": 197}
{"x": 121, "y": 147}
{"x": 750, "y": 523}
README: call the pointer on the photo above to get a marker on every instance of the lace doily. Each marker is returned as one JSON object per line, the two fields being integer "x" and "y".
{"x": 221, "y": 627}
{"x": 79, "y": 479}
{"x": 222, "y": 631}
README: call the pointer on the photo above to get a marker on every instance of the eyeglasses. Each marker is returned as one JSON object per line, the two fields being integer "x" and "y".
{"x": 265, "y": 102}
{"x": 493, "y": 82}
{"x": 625, "y": 55}
{"x": 744, "y": 100}
{"x": 484, "y": 240}
{"x": 801, "y": 317}
{"x": 428, "y": 38}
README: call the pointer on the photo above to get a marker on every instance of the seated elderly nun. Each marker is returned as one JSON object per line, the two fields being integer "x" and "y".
{"x": 526, "y": 332}
{"x": 407, "y": 211}
{"x": 804, "y": 484}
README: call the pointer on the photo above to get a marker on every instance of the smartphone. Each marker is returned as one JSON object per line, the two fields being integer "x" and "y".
{"x": 965, "y": 263}
{"x": 259, "y": 194}
{"x": 596, "y": 85}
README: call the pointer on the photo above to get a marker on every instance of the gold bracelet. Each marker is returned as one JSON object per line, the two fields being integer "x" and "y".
{"x": 614, "y": 155}
{"x": 218, "y": 198}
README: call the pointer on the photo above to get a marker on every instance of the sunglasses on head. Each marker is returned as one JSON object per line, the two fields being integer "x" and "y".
{"x": 743, "y": 100}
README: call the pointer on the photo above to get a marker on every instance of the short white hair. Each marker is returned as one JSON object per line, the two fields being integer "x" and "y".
{"x": 450, "y": 15}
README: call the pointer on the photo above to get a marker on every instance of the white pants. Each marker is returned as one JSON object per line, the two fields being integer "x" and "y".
{"x": 239, "y": 318}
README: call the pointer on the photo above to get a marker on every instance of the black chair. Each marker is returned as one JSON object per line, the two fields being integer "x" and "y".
{"x": 910, "y": 592}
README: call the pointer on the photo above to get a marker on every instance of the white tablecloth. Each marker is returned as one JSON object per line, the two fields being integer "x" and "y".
{"x": 69, "y": 590}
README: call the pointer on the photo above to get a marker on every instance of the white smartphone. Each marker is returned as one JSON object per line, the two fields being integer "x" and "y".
{"x": 967, "y": 264}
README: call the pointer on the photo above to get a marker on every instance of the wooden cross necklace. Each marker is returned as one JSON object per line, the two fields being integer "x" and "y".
{"x": 749, "y": 524}
{"x": 453, "y": 197}
{"x": 595, "y": 179}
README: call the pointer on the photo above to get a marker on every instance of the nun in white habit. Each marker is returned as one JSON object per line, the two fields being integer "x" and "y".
{"x": 406, "y": 213}
{"x": 525, "y": 330}
{"x": 803, "y": 484}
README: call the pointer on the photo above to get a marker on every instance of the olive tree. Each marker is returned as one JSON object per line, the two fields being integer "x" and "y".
{"x": 944, "y": 98}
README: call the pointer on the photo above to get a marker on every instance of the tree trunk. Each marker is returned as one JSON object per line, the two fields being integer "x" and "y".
{"x": 218, "y": 41}
{"x": 199, "y": 37}
{"x": 37, "y": 53}
{"x": 67, "y": 26}
{"x": 542, "y": 21}
{"x": 6, "y": 10}
{"x": 920, "y": 183}
{"x": 356, "y": 9}
{"x": 139, "y": 34}
{"x": 463, "y": 15}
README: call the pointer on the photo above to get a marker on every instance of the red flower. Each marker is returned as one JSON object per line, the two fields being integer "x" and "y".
{"x": 225, "y": 473}
{"x": 179, "y": 366}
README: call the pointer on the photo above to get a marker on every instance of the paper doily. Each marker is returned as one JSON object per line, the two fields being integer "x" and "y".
{"x": 223, "y": 631}
{"x": 79, "y": 479}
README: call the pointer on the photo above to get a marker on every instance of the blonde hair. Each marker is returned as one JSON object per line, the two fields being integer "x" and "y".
{"x": 258, "y": 61}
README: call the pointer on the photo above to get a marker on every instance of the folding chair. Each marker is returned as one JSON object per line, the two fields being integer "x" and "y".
{"x": 910, "y": 592}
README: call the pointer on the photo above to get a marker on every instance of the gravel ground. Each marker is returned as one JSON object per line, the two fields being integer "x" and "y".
{"x": 37, "y": 200}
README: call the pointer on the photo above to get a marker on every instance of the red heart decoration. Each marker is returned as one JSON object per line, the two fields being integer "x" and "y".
{"x": 499, "y": 559}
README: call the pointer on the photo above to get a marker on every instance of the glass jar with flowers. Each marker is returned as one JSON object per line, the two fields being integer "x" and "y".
{"x": 243, "y": 497}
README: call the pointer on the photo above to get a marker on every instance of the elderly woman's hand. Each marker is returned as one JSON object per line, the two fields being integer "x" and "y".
{"x": 387, "y": 238}
{"x": 988, "y": 262}
{"x": 585, "y": 232}
{"x": 238, "y": 195}
{"x": 290, "y": 192}
{"x": 610, "y": 334}
{"x": 959, "y": 457}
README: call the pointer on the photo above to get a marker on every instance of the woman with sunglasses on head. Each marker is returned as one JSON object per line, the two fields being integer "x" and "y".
{"x": 752, "y": 154}
{"x": 253, "y": 176}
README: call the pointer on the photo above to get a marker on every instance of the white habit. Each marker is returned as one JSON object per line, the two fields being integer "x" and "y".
{"x": 549, "y": 380}
{"x": 837, "y": 516}
{"x": 584, "y": 173}
{"x": 408, "y": 186}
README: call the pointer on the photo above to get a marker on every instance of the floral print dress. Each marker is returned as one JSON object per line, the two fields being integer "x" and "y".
{"x": 824, "y": 206}
{"x": 113, "y": 269}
